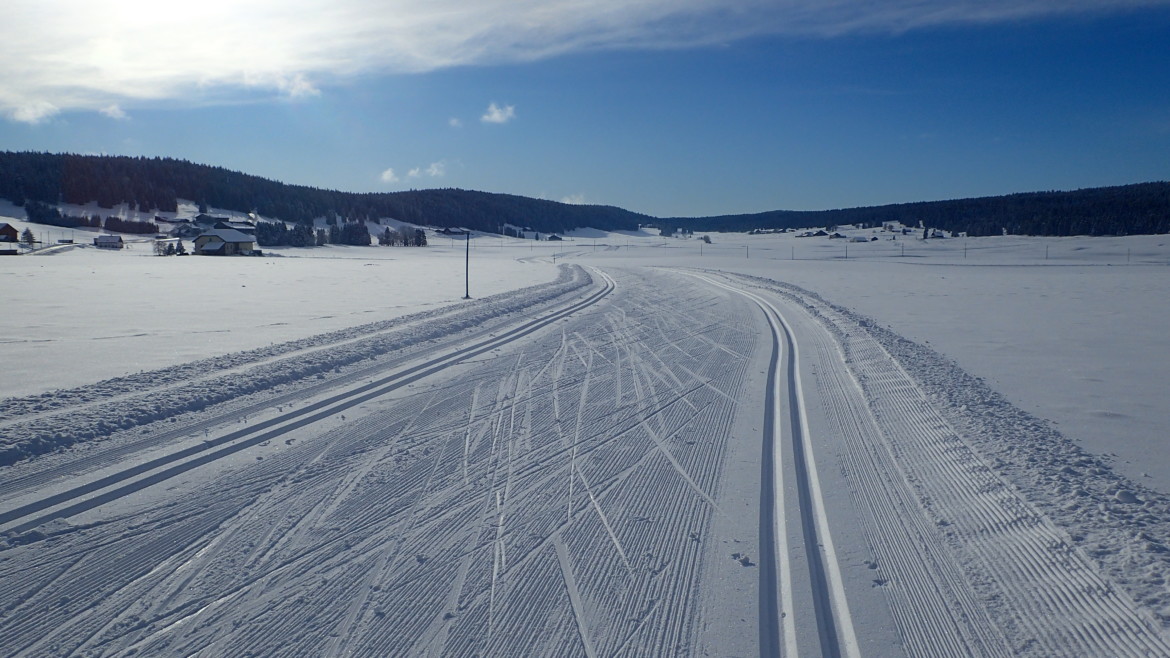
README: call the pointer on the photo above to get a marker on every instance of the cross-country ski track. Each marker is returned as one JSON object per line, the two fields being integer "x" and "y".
{"x": 626, "y": 461}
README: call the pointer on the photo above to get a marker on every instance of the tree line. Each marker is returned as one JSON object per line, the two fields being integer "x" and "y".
{"x": 1139, "y": 209}
{"x": 281, "y": 234}
{"x": 43, "y": 213}
{"x": 156, "y": 184}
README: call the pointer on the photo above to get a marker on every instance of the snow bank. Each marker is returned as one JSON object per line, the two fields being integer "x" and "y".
{"x": 42, "y": 423}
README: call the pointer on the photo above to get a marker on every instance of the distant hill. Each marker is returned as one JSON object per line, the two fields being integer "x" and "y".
{"x": 156, "y": 184}
{"x": 1138, "y": 209}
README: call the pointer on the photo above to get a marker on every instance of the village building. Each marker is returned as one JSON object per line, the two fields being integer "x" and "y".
{"x": 247, "y": 228}
{"x": 108, "y": 242}
{"x": 8, "y": 233}
{"x": 188, "y": 231}
{"x": 224, "y": 242}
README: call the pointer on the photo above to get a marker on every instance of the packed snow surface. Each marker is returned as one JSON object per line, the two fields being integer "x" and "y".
{"x": 620, "y": 445}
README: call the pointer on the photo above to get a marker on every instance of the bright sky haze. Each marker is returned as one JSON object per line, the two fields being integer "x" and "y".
{"x": 666, "y": 107}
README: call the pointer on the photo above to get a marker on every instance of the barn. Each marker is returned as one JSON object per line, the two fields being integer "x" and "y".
{"x": 224, "y": 242}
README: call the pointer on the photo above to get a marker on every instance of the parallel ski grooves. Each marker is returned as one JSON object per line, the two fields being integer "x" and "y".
{"x": 241, "y": 439}
{"x": 434, "y": 523}
{"x": 933, "y": 504}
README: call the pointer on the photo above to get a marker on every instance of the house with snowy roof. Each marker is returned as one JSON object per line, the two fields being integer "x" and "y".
{"x": 108, "y": 242}
{"x": 8, "y": 233}
{"x": 224, "y": 242}
{"x": 243, "y": 227}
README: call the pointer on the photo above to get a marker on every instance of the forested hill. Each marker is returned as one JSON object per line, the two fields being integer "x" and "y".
{"x": 157, "y": 184}
{"x": 1143, "y": 208}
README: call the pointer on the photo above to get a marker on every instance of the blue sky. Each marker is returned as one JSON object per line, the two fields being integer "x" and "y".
{"x": 680, "y": 108}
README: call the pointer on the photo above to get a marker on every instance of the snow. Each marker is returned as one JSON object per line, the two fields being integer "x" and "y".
{"x": 1069, "y": 329}
{"x": 88, "y": 315}
{"x": 575, "y": 469}
{"x": 1079, "y": 345}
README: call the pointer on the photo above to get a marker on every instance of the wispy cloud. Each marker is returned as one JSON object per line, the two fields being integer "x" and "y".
{"x": 29, "y": 111}
{"x": 63, "y": 55}
{"x": 114, "y": 112}
{"x": 297, "y": 87}
{"x": 575, "y": 199}
{"x": 389, "y": 176}
{"x": 497, "y": 114}
{"x": 433, "y": 170}
{"x": 454, "y": 122}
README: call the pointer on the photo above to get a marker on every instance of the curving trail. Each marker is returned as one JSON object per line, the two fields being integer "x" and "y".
{"x": 968, "y": 566}
{"x": 825, "y": 593}
{"x": 638, "y": 462}
{"x": 551, "y": 493}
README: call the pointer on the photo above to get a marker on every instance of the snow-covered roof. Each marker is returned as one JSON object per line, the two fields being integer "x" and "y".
{"x": 228, "y": 235}
{"x": 240, "y": 225}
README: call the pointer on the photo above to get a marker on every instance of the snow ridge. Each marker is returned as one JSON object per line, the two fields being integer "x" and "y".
{"x": 44, "y": 423}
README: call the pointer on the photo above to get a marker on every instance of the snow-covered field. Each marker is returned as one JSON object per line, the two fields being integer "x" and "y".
{"x": 328, "y": 451}
{"x": 83, "y": 315}
{"x": 1072, "y": 330}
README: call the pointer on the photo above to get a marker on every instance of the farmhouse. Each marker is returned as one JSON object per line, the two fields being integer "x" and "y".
{"x": 243, "y": 227}
{"x": 108, "y": 242}
{"x": 8, "y": 233}
{"x": 224, "y": 242}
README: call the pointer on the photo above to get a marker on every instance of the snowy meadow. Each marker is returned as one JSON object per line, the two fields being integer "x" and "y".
{"x": 325, "y": 442}
{"x": 1072, "y": 330}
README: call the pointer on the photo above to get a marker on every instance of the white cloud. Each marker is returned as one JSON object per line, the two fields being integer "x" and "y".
{"x": 454, "y": 122}
{"x": 34, "y": 112}
{"x": 114, "y": 112}
{"x": 389, "y": 176}
{"x": 575, "y": 199}
{"x": 63, "y": 55}
{"x": 297, "y": 87}
{"x": 497, "y": 114}
{"x": 434, "y": 170}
